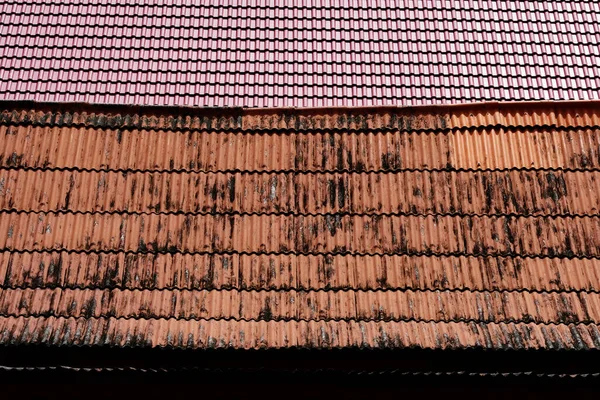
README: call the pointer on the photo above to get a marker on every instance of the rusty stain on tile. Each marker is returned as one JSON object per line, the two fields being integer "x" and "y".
{"x": 435, "y": 227}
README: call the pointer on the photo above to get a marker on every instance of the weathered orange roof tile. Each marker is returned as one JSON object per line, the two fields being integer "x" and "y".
{"x": 473, "y": 226}
{"x": 530, "y": 192}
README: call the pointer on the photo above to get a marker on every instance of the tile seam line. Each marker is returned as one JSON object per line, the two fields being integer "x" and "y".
{"x": 208, "y": 83}
{"x": 300, "y": 320}
{"x": 7, "y": 120}
{"x": 14, "y": 211}
{"x": 441, "y": 109}
{"x": 102, "y": 21}
{"x": 296, "y": 290}
{"x": 314, "y": 28}
{"x": 282, "y": 74}
{"x": 467, "y": 100}
{"x": 300, "y": 253}
{"x": 422, "y": 254}
{"x": 497, "y": 46}
{"x": 210, "y": 50}
{"x": 283, "y": 62}
{"x": 226, "y": 6}
{"x": 299, "y": 172}
{"x": 469, "y": 321}
{"x": 397, "y": 98}
{"x": 325, "y": 10}
{"x": 239, "y": 85}
{"x": 451, "y": 100}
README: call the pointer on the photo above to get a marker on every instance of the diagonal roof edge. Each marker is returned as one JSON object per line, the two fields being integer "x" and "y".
{"x": 453, "y": 116}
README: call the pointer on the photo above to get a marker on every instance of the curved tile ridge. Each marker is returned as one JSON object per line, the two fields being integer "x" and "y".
{"x": 313, "y": 334}
{"x": 294, "y": 305}
{"x": 300, "y": 272}
{"x": 509, "y": 114}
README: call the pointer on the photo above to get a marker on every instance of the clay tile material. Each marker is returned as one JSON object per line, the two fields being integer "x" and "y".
{"x": 450, "y": 227}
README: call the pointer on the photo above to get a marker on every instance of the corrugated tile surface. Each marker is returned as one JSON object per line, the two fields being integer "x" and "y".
{"x": 444, "y": 227}
{"x": 266, "y": 53}
{"x": 531, "y": 192}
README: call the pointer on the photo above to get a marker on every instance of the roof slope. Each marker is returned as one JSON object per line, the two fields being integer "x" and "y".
{"x": 446, "y": 227}
{"x": 288, "y": 53}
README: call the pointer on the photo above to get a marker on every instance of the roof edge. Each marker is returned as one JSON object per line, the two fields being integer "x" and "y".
{"x": 572, "y": 113}
{"x": 441, "y": 108}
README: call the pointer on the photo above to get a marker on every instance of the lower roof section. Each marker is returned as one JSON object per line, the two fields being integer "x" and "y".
{"x": 431, "y": 228}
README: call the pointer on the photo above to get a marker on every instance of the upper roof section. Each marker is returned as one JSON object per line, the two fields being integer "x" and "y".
{"x": 281, "y": 53}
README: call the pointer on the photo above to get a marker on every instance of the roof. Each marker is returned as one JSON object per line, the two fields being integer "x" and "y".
{"x": 303, "y": 54}
{"x": 454, "y": 227}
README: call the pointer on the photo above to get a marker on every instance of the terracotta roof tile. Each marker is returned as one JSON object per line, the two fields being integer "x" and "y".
{"x": 436, "y": 227}
{"x": 307, "y": 272}
{"x": 293, "y": 305}
{"x": 322, "y": 234}
{"x": 298, "y": 53}
{"x": 525, "y": 192}
{"x": 301, "y": 272}
{"x": 312, "y": 334}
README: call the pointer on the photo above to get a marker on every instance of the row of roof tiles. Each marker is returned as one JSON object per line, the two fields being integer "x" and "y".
{"x": 100, "y": 66}
{"x": 344, "y": 10}
{"x": 304, "y": 84}
{"x": 100, "y": 271}
{"x": 64, "y": 23}
{"x": 172, "y": 333}
{"x": 130, "y": 149}
{"x": 376, "y": 73}
{"x": 476, "y": 193}
{"x": 343, "y": 4}
{"x": 331, "y": 234}
{"x": 437, "y": 306}
{"x": 361, "y": 45}
{"x": 437, "y": 119}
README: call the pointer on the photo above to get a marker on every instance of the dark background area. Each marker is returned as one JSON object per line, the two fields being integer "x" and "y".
{"x": 94, "y": 373}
